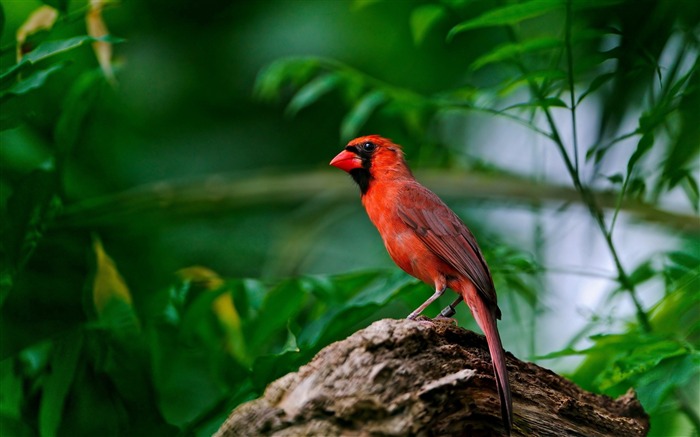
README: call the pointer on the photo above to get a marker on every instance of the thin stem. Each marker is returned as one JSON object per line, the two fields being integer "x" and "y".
{"x": 570, "y": 65}
{"x": 618, "y": 204}
{"x": 588, "y": 198}
{"x": 615, "y": 140}
{"x": 448, "y": 104}
{"x": 597, "y": 214}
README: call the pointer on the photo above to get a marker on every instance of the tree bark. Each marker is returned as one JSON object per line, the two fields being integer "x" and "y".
{"x": 403, "y": 377}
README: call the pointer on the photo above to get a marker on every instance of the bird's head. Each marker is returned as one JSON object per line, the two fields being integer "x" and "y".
{"x": 372, "y": 158}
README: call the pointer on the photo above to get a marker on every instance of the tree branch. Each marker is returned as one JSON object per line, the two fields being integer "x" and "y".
{"x": 403, "y": 377}
{"x": 224, "y": 193}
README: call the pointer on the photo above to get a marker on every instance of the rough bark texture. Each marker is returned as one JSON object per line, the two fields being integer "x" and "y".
{"x": 403, "y": 377}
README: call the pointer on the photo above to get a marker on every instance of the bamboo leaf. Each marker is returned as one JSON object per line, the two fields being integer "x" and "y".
{"x": 360, "y": 113}
{"x": 542, "y": 103}
{"x": 690, "y": 185}
{"x": 423, "y": 18}
{"x": 311, "y": 92}
{"x": 538, "y": 76}
{"x": 686, "y": 145}
{"x": 642, "y": 273}
{"x": 617, "y": 178}
{"x": 510, "y": 51}
{"x": 508, "y": 15}
{"x": 595, "y": 84}
{"x": 272, "y": 78}
{"x": 644, "y": 145}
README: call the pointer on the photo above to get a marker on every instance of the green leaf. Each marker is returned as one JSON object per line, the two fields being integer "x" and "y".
{"x": 248, "y": 294}
{"x": 641, "y": 359}
{"x": 280, "y": 304}
{"x": 595, "y": 84}
{"x": 340, "y": 320}
{"x": 566, "y": 352}
{"x": 642, "y": 273}
{"x": 543, "y": 103}
{"x": 267, "y": 368}
{"x": 64, "y": 363}
{"x": 686, "y": 145}
{"x": 271, "y": 79}
{"x": 338, "y": 289}
{"x": 46, "y": 50}
{"x": 360, "y": 113}
{"x": 311, "y": 92}
{"x": 690, "y": 185}
{"x": 644, "y": 145}
{"x": 684, "y": 260}
{"x": 654, "y": 387}
{"x": 423, "y": 18}
{"x": 538, "y": 76}
{"x": 617, "y": 178}
{"x": 617, "y": 361}
{"x": 510, "y": 51}
{"x": 31, "y": 82}
{"x": 508, "y": 15}
{"x": 77, "y": 107}
{"x": 636, "y": 187}
{"x": 676, "y": 314}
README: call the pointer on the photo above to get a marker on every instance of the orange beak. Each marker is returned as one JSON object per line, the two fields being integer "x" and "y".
{"x": 346, "y": 161}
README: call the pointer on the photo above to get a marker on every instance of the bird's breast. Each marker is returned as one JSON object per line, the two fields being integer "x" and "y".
{"x": 404, "y": 246}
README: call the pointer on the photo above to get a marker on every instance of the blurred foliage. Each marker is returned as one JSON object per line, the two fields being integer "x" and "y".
{"x": 122, "y": 317}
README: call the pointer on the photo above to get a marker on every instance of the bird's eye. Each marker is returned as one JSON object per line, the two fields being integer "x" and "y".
{"x": 368, "y": 146}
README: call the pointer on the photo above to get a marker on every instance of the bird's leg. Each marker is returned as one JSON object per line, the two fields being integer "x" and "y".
{"x": 449, "y": 310}
{"x": 440, "y": 287}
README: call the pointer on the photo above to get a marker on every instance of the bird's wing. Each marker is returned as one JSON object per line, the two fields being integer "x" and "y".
{"x": 446, "y": 236}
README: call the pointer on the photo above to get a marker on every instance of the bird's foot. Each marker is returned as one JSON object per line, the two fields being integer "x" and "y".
{"x": 413, "y": 315}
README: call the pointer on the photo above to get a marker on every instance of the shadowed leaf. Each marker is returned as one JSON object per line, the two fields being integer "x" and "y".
{"x": 508, "y": 15}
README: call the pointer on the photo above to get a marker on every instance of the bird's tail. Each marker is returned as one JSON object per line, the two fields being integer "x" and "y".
{"x": 486, "y": 319}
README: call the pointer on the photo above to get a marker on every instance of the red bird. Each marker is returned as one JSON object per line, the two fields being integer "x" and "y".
{"x": 427, "y": 240}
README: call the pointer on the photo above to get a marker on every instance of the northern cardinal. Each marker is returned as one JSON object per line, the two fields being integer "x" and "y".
{"x": 427, "y": 240}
